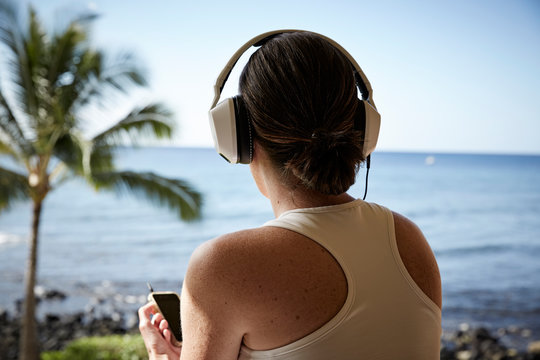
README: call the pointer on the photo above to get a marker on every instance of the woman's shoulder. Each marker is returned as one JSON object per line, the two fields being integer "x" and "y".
{"x": 218, "y": 304}
{"x": 255, "y": 267}
{"x": 418, "y": 257}
{"x": 236, "y": 248}
{"x": 262, "y": 276}
{"x": 232, "y": 263}
{"x": 249, "y": 254}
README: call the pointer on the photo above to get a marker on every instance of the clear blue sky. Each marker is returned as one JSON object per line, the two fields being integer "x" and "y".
{"x": 448, "y": 76}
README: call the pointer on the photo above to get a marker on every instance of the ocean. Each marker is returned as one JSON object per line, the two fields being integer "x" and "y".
{"x": 480, "y": 214}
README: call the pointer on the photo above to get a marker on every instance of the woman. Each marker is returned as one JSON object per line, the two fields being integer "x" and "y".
{"x": 332, "y": 277}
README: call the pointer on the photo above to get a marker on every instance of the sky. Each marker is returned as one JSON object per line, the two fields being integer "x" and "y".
{"x": 448, "y": 76}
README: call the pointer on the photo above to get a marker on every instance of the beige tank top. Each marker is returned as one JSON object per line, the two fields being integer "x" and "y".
{"x": 386, "y": 315}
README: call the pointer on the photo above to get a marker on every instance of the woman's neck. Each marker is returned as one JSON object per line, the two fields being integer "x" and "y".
{"x": 286, "y": 192}
{"x": 284, "y": 197}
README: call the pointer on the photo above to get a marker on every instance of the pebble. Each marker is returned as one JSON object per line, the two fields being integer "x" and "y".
{"x": 534, "y": 348}
{"x": 469, "y": 343}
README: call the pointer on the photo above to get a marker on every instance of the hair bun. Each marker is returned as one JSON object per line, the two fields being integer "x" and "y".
{"x": 321, "y": 138}
{"x": 329, "y": 162}
{"x": 318, "y": 134}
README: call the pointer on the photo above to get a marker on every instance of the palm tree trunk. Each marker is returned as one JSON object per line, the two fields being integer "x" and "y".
{"x": 28, "y": 343}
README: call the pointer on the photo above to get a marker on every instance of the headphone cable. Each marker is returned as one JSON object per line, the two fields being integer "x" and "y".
{"x": 368, "y": 163}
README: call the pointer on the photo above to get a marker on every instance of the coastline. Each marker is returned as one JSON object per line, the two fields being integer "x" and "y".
{"x": 107, "y": 316}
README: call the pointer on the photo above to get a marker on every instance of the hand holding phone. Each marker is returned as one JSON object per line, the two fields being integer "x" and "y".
{"x": 168, "y": 304}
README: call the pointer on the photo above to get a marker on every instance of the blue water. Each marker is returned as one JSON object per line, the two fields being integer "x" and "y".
{"x": 480, "y": 213}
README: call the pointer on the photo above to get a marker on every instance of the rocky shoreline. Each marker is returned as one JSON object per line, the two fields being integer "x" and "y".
{"x": 57, "y": 330}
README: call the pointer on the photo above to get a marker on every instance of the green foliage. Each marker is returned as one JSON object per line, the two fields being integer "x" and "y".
{"x": 13, "y": 187}
{"x": 53, "y": 80}
{"x": 151, "y": 119}
{"x": 114, "y": 347}
{"x": 173, "y": 193}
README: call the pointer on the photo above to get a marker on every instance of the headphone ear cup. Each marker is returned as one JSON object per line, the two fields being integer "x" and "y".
{"x": 369, "y": 120}
{"x": 360, "y": 117}
{"x": 243, "y": 131}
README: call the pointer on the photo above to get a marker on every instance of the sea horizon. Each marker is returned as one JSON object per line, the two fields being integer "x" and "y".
{"x": 384, "y": 151}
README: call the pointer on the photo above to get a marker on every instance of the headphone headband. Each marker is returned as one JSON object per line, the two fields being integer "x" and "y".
{"x": 361, "y": 80}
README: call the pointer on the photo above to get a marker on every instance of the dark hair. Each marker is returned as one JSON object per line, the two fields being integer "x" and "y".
{"x": 301, "y": 96}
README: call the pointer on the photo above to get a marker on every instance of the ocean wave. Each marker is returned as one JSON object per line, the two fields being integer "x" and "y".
{"x": 472, "y": 250}
{"x": 11, "y": 239}
{"x": 487, "y": 249}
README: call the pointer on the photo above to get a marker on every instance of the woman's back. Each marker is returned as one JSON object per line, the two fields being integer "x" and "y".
{"x": 339, "y": 292}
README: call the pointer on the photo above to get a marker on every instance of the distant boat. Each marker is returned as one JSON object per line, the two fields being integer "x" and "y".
{"x": 430, "y": 160}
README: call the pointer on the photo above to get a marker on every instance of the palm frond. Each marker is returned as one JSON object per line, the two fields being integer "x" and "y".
{"x": 8, "y": 21}
{"x": 63, "y": 54}
{"x": 153, "y": 119}
{"x": 176, "y": 194}
{"x": 123, "y": 71}
{"x": 35, "y": 41}
{"x": 83, "y": 85}
{"x": 13, "y": 187}
{"x": 69, "y": 150}
{"x": 101, "y": 158}
{"x": 82, "y": 157}
{"x": 7, "y": 148}
{"x": 98, "y": 78}
{"x": 10, "y": 127}
{"x": 20, "y": 50}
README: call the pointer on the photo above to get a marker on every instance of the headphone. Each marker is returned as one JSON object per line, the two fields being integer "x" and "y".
{"x": 229, "y": 120}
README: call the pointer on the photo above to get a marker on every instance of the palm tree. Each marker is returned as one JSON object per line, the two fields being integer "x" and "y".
{"x": 51, "y": 80}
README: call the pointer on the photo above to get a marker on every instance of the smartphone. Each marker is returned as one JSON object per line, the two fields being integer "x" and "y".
{"x": 168, "y": 304}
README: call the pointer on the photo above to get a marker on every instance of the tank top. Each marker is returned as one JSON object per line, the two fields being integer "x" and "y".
{"x": 385, "y": 314}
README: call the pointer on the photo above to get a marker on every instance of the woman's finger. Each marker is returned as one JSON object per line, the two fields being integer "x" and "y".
{"x": 163, "y": 325}
{"x": 145, "y": 313}
{"x": 156, "y": 319}
{"x": 167, "y": 335}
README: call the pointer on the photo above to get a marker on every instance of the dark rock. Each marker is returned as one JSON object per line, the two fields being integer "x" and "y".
{"x": 4, "y": 316}
{"x": 54, "y": 295}
{"x": 48, "y": 294}
{"x": 482, "y": 334}
{"x": 18, "y": 306}
{"x": 51, "y": 318}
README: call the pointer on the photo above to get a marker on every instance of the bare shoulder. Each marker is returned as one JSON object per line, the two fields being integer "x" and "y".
{"x": 418, "y": 257}
{"x": 228, "y": 254}
{"x": 224, "y": 269}
{"x": 246, "y": 263}
{"x": 213, "y": 322}
{"x": 268, "y": 285}
{"x": 216, "y": 264}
